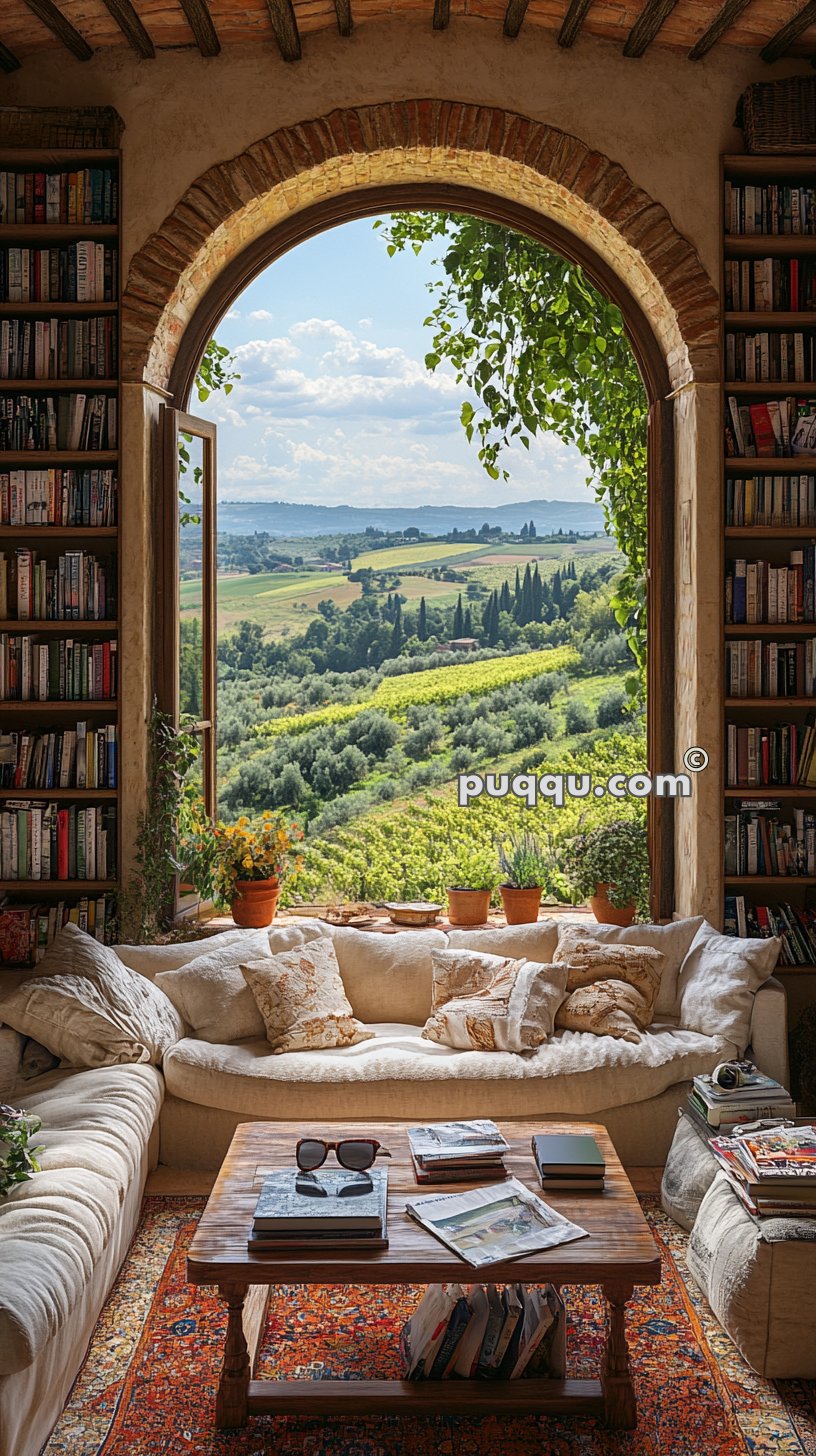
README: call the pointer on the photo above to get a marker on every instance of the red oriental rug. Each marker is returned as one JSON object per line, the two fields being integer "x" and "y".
{"x": 148, "y": 1382}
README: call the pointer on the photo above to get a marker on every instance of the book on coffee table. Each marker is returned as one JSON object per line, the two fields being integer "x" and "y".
{"x": 331, "y": 1209}
{"x": 457, "y": 1152}
{"x": 568, "y": 1162}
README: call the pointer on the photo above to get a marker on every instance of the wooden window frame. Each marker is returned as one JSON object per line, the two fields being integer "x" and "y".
{"x": 168, "y": 601}
{"x": 448, "y": 197}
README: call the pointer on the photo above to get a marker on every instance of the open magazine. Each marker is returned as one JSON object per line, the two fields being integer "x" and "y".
{"x": 492, "y": 1224}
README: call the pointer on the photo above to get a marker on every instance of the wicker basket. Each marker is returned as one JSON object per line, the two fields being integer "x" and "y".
{"x": 59, "y": 126}
{"x": 779, "y": 116}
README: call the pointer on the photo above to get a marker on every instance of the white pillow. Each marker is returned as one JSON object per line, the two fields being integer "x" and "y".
{"x": 493, "y": 1003}
{"x": 719, "y": 978}
{"x": 212, "y": 995}
{"x": 672, "y": 940}
{"x": 92, "y": 1011}
{"x": 149, "y": 960}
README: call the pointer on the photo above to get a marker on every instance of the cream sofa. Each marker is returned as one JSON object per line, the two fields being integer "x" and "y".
{"x": 64, "y": 1234}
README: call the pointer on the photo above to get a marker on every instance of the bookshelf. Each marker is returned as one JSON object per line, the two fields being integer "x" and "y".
{"x": 60, "y": 291}
{"x": 769, "y": 547}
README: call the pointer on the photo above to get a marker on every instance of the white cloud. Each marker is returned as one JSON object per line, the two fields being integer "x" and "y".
{"x": 261, "y": 315}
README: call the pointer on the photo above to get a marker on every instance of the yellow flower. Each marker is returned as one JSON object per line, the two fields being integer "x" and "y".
{"x": 247, "y": 862}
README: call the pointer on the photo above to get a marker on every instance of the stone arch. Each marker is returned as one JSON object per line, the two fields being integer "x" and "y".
{"x": 397, "y": 143}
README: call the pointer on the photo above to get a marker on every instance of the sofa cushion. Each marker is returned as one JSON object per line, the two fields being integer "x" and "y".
{"x": 535, "y": 942}
{"x": 605, "y": 1008}
{"x": 492, "y": 1003}
{"x": 387, "y": 976}
{"x": 588, "y": 961}
{"x": 53, "y": 1228}
{"x": 399, "y": 1070}
{"x": 719, "y": 979}
{"x": 90, "y": 1009}
{"x": 301, "y": 998}
{"x": 148, "y": 960}
{"x": 211, "y": 993}
{"x": 673, "y": 940}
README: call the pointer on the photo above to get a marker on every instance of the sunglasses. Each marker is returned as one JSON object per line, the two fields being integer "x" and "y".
{"x": 356, "y": 1154}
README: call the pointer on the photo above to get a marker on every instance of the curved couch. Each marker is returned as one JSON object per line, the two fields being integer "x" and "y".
{"x": 64, "y": 1234}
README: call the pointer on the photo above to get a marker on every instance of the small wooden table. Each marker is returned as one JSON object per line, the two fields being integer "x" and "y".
{"x": 619, "y": 1254}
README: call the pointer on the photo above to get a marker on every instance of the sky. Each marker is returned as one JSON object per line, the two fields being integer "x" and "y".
{"x": 335, "y": 405}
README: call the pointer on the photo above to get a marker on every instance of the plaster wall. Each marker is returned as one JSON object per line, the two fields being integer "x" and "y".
{"x": 664, "y": 120}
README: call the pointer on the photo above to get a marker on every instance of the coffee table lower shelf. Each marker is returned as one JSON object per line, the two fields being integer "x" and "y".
{"x": 358, "y": 1398}
{"x": 239, "y": 1396}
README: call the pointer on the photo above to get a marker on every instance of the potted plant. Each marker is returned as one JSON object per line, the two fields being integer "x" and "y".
{"x": 469, "y": 898}
{"x": 609, "y": 866}
{"x": 525, "y": 869}
{"x": 251, "y": 859}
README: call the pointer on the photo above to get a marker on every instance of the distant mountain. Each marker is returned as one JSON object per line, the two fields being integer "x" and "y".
{"x": 285, "y": 518}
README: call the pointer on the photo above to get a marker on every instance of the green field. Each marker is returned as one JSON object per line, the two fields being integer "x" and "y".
{"x": 283, "y": 603}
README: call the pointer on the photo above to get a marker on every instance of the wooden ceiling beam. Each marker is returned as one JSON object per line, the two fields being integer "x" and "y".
{"x": 131, "y": 27}
{"x": 514, "y": 17}
{"x": 573, "y": 20}
{"x": 646, "y": 26}
{"x": 8, "y": 60}
{"x": 47, "y": 12}
{"x": 345, "y": 24}
{"x": 723, "y": 20}
{"x": 441, "y": 15}
{"x": 284, "y": 24}
{"x": 778, "y": 44}
{"x": 201, "y": 24}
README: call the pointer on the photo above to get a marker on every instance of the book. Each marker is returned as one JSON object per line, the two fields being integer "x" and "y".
{"x": 569, "y": 1183}
{"x": 282, "y": 1207}
{"x": 266, "y": 1242}
{"x": 422, "y": 1334}
{"x": 568, "y": 1153}
{"x": 458, "y": 1172}
{"x": 493, "y": 1224}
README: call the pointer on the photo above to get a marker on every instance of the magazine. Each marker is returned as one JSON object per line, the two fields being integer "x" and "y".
{"x": 490, "y": 1225}
{"x": 781, "y": 1152}
{"x": 456, "y": 1142}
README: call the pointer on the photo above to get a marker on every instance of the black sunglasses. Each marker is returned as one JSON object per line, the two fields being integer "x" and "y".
{"x": 356, "y": 1154}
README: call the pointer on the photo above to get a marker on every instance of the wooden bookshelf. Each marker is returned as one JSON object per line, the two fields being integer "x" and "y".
{"x": 768, "y": 543}
{"x": 59, "y": 716}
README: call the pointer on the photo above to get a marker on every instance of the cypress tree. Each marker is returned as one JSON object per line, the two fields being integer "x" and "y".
{"x": 493, "y": 634}
{"x": 505, "y": 599}
{"x": 532, "y": 531}
{"x": 557, "y": 593}
{"x": 422, "y": 626}
{"x": 467, "y": 625}
{"x": 538, "y": 595}
{"x": 525, "y": 531}
{"x": 396, "y": 634}
{"x": 458, "y": 619}
{"x": 526, "y": 597}
{"x": 517, "y": 596}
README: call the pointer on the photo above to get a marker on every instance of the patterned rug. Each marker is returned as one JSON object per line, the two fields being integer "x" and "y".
{"x": 148, "y": 1382}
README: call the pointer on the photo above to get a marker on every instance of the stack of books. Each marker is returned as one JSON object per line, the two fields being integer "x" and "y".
{"x": 569, "y": 1162}
{"x": 714, "y": 1107}
{"x": 332, "y": 1209}
{"x": 485, "y": 1332}
{"x": 772, "y": 1170}
{"x": 457, "y": 1152}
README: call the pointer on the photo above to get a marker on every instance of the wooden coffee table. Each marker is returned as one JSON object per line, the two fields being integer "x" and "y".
{"x": 619, "y": 1254}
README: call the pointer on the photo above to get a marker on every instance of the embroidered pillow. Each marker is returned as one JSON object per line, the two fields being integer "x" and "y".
{"x": 300, "y": 996}
{"x": 605, "y": 1008}
{"x": 492, "y": 1003}
{"x": 589, "y": 961}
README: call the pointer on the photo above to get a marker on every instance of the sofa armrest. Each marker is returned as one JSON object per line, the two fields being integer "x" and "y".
{"x": 769, "y": 1031}
{"x": 11, "y": 1055}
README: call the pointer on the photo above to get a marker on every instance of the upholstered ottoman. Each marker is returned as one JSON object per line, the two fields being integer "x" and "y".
{"x": 758, "y": 1274}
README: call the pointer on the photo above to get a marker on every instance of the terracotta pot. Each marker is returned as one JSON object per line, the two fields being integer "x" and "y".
{"x": 468, "y": 907}
{"x": 521, "y": 907}
{"x": 608, "y": 914}
{"x": 254, "y": 903}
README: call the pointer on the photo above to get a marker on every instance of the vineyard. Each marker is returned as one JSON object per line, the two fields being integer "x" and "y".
{"x": 413, "y": 850}
{"x": 395, "y": 695}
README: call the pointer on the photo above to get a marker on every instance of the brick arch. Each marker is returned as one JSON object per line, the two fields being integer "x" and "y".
{"x": 236, "y": 202}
